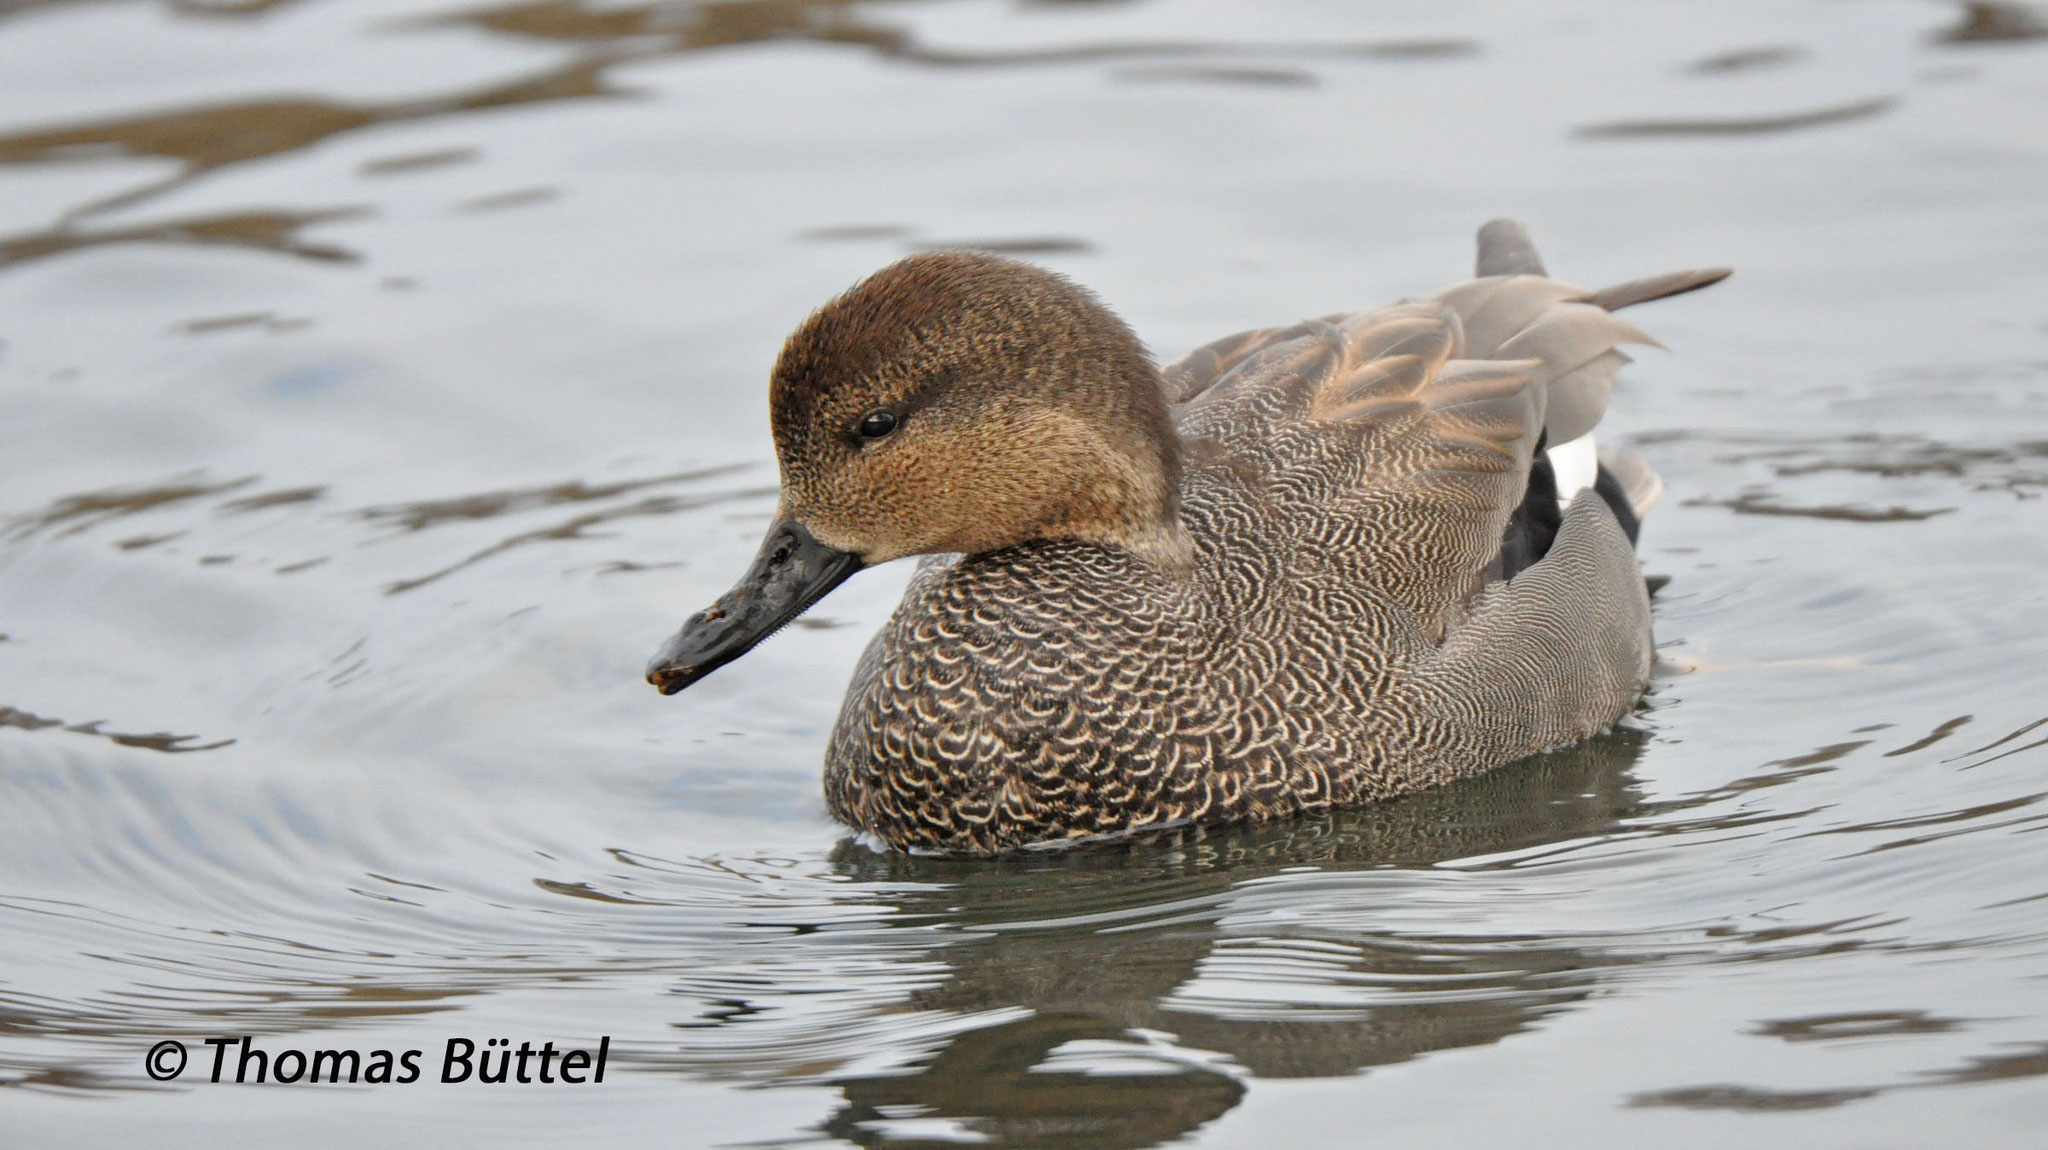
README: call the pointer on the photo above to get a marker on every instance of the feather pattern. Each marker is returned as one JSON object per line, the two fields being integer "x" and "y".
{"x": 1336, "y": 637}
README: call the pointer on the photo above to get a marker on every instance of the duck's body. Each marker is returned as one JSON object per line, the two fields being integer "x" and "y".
{"x": 1338, "y": 574}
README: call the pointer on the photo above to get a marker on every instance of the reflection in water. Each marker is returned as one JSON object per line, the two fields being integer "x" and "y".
{"x": 269, "y": 321}
{"x": 2018, "y": 468}
{"x": 1995, "y": 21}
{"x": 163, "y": 741}
{"x": 206, "y": 139}
{"x": 76, "y": 513}
{"x": 1747, "y": 59}
{"x": 1003, "y": 245}
{"x": 1994, "y": 745}
{"x": 417, "y": 161}
{"x": 1239, "y": 77}
{"x": 284, "y": 497}
{"x": 226, "y": 7}
{"x": 1744, "y": 125}
{"x": 1107, "y": 944}
{"x": 1222, "y": 940}
{"x": 264, "y": 231}
{"x": 425, "y": 513}
{"x": 1871, "y": 1024}
{"x": 695, "y": 26}
{"x": 1749, "y": 1098}
{"x": 1014, "y": 246}
{"x": 1939, "y": 733}
{"x": 2030, "y": 1061}
{"x": 517, "y": 198}
{"x": 422, "y": 515}
{"x": 576, "y": 526}
{"x": 182, "y": 7}
{"x": 1761, "y": 503}
{"x": 1972, "y": 815}
{"x": 687, "y": 26}
{"x": 845, "y": 233}
{"x": 202, "y": 140}
{"x": 1003, "y": 1085}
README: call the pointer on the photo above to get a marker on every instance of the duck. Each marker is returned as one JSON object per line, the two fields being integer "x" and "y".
{"x": 1301, "y": 567}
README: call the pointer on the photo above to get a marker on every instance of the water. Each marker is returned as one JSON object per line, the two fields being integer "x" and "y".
{"x": 383, "y": 381}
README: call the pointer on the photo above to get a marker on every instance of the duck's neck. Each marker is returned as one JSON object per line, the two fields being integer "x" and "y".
{"x": 1158, "y": 541}
{"x": 1127, "y": 489}
{"x": 1164, "y": 544}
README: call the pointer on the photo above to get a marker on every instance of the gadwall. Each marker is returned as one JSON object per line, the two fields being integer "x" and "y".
{"x": 1304, "y": 566}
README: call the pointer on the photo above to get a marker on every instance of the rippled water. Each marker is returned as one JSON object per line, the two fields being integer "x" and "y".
{"x": 382, "y": 381}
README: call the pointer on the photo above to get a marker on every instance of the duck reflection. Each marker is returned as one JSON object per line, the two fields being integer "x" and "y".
{"x": 997, "y": 1086}
{"x": 1147, "y": 953}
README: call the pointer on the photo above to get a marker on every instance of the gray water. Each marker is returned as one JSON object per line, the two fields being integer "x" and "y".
{"x": 382, "y": 381}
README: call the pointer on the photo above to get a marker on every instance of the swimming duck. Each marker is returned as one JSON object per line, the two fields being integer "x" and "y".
{"x": 1302, "y": 566}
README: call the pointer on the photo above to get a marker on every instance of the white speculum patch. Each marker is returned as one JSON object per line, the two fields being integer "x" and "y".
{"x": 1577, "y": 466}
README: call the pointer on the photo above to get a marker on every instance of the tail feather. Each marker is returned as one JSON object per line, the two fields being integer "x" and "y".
{"x": 1515, "y": 312}
{"x": 1655, "y": 287}
{"x": 1505, "y": 249}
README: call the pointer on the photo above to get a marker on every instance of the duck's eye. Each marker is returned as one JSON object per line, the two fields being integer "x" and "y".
{"x": 877, "y": 424}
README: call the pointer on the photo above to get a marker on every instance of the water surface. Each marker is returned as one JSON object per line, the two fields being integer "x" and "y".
{"x": 381, "y": 381}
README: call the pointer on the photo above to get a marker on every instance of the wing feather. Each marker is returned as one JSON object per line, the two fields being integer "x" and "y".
{"x": 1186, "y": 378}
{"x": 1415, "y": 425}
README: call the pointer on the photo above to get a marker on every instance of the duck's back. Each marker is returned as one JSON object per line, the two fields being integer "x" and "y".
{"x": 1346, "y": 629}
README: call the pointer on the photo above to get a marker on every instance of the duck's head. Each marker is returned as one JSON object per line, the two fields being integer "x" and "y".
{"x": 951, "y": 402}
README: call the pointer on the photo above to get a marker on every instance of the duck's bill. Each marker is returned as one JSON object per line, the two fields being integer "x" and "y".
{"x": 792, "y": 571}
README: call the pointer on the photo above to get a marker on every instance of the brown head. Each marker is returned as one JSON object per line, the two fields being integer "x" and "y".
{"x": 953, "y": 401}
{"x": 959, "y": 401}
